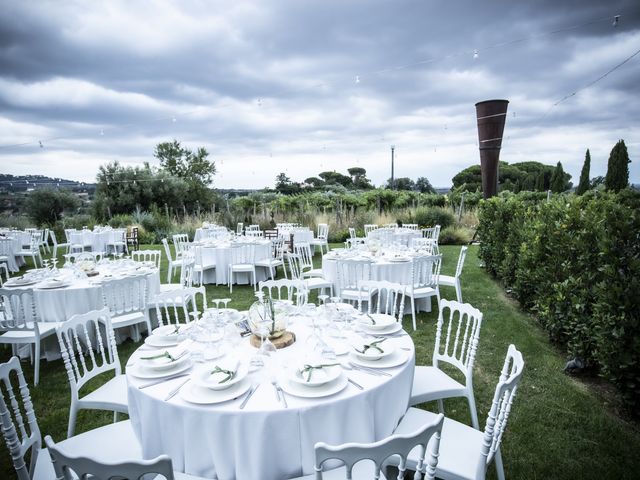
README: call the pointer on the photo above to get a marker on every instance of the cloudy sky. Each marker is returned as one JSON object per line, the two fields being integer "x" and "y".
{"x": 307, "y": 86}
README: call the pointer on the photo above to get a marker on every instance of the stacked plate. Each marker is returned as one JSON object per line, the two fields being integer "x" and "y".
{"x": 166, "y": 336}
{"x": 20, "y": 281}
{"x": 161, "y": 363}
{"x": 217, "y": 382}
{"x": 54, "y": 283}
{"x": 380, "y": 324}
{"x": 314, "y": 380}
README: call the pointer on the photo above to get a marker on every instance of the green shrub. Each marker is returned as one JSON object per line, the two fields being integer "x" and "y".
{"x": 432, "y": 216}
{"x": 455, "y": 236}
{"x": 574, "y": 262}
{"x": 120, "y": 221}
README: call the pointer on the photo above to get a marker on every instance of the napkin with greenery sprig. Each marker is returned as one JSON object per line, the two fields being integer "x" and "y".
{"x": 308, "y": 369}
{"x": 375, "y": 345}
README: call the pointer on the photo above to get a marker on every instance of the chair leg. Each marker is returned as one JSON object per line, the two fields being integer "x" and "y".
{"x": 169, "y": 271}
{"x": 458, "y": 290}
{"x": 115, "y": 417}
{"x": 474, "y": 412}
{"x": 230, "y": 281}
{"x": 36, "y": 359}
{"x": 499, "y": 468}
{"x": 440, "y": 406}
{"x": 73, "y": 414}
{"x": 413, "y": 313}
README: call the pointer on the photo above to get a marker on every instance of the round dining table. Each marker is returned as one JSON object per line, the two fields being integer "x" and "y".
{"x": 264, "y": 439}
{"x": 217, "y": 253}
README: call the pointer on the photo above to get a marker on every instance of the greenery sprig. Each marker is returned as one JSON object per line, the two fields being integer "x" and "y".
{"x": 229, "y": 373}
{"x": 308, "y": 369}
{"x": 371, "y": 345}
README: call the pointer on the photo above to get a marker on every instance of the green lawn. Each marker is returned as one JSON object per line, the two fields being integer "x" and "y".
{"x": 559, "y": 427}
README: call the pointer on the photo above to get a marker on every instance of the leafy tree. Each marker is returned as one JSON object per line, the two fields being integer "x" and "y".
{"x": 45, "y": 206}
{"x": 617, "y": 176}
{"x": 402, "y": 183}
{"x": 285, "y": 186}
{"x": 336, "y": 178}
{"x": 424, "y": 186}
{"x": 359, "y": 178}
{"x": 557, "y": 180}
{"x": 314, "y": 181}
{"x": 584, "y": 185}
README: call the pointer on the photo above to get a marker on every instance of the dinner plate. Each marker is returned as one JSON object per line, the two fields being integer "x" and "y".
{"x": 140, "y": 371}
{"x": 396, "y": 327}
{"x": 20, "y": 282}
{"x": 155, "y": 341}
{"x": 51, "y": 285}
{"x": 399, "y": 259}
{"x": 318, "y": 378}
{"x": 372, "y": 354}
{"x": 202, "y": 375}
{"x": 166, "y": 333}
{"x": 193, "y": 393}
{"x": 383, "y": 321}
{"x": 164, "y": 363}
{"x": 325, "y": 390}
{"x": 338, "y": 347}
{"x": 398, "y": 357}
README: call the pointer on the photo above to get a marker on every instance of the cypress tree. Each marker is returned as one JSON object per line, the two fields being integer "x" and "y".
{"x": 584, "y": 185}
{"x": 557, "y": 179}
{"x": 618, "y": 168}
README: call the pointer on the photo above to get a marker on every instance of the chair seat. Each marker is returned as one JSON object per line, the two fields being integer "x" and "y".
{"x": 460, "y": 446}
{"x": 352, "y": 294}
{"x": 110, "y": 396}
{"x": 269, "y": 262}
{"x": 422, "y": 292}
{"x": 363, "y": 470}
{"x": 127, "y": 319}
{"x": 242, "y": 267}
{"x": 166, "y": 287}
{"x": 431, "y": 383}
{"x": 316, "y": 272}
{"x": 447, "y": 280}
{"x": 317, "y": 282}
{"x": 17, "y": 336}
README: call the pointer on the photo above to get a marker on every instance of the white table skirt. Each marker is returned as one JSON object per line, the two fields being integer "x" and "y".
{"x": 397, "y": 272}
{"x": 265, "y": 440}
{"x": 10, "y": 247}
{"x": 211, "y": 232}
{"x": 221, "y": 258}
{"x": 299, "y": 235}
{"x": 397, "y": 236}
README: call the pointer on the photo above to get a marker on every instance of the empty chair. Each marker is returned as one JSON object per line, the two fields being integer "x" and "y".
{"x": 311, "y": 283}
{"x": 353, "y": 238}
{"x": 454, "y": 281}
{"x": 44, "y": 239}
{"x": 283, "y": 289}
{"x": 200, "y": 267}
{"x": 239, "y": 228}
{"x": 147, "y": 256}
{"x": 364, "y": 461}
{"x": 306, "y": 258}
{"x": 411, "y": 226}
{"x": 369, "y": 228}
{"x": 132, "y": 239}
{"x": 242, "y": 261}
{"x": 117, "y": 241}
{"x": 457, "y": 335}
{"x": 351, "y": 274}
{"x": 33, "y": 250}
{"x": 171, "y": 262}
{"x": 465, "y": 453}
{"x": 187, "y": 270}
{"x": 275, "y": 259}
{"x": 390, "y": 298}
{"x": 424, "y": 281}
{"x": 126, "y": 299}
{"x": 322, "y": 238}
{"x": 3, "y": 268}
{"x": 22, "y": 435}
{"x": 88, "y": 348}
{"x": 423, "y": 244}
{"x": 177, "y": 307}
{"x": 56, "y": 245}
{"x": 181, "y": 243}
{"x": 78, "y": 257}
{"x": 20, "y": 323}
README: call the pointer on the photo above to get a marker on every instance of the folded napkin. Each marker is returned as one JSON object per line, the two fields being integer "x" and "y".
{"x": 371, "y": 348}
{"x": 168, "y": 356}
{"x": 316, "y": 370}
{"x": 224, "y": 372}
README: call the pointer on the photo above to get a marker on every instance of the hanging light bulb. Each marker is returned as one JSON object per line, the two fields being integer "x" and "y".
{"x": 259, "y": 102}
{"x": 357, "y": 78}
{"x": 40, "y": 143}
{"x": 616, "y": 20}
{"x": 101, "y": 132}
{"x": 475, "y": 54}
{"x": 173, "y": 119}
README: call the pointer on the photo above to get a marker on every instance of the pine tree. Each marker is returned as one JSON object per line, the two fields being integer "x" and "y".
{"x": 557, "y": 179}
{"x": 618, "y": 168}
{"x": 584, "y": 185}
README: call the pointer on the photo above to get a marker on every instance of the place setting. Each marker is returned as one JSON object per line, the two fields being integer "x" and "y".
{"x": 315, "y": 377}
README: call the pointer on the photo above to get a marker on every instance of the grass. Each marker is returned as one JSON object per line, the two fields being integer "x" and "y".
{"x": 559, "y": 427}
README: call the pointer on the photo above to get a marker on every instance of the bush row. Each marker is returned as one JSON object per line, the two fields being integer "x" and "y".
{"x": 575, "y": 263}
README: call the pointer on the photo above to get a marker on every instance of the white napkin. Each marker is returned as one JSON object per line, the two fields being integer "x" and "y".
{"x": 230, "y": 364}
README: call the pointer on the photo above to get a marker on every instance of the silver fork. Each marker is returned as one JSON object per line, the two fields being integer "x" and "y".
{"x": 275, "y": 387}
{"x": 282, "y": 397}
{"x": 173, "y": 392}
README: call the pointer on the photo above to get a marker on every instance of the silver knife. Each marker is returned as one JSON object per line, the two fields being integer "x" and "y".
{"x": 165, "y": 379}
{"x": 357, "y": 385}
{"x": 246, "y": 399}
{"x": 284, "y": 400}
{"x": 173, "y": 392}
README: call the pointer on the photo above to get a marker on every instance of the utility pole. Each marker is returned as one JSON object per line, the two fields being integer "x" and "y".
{"x": 393, "y": 183}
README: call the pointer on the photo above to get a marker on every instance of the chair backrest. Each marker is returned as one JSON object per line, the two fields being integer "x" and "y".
{"x": 457, "y": 336}
{"x": 425, "y": 271}
{"x": 84, "y": 468}
{"x": 461, "y": 257}
{"x": 411, "y": 226}
{"x": 429, "y": 233}
{"x": 283, "y": 289}
{"x": 14, "y": 407}
{"x": 167, "y": 250}
{"x": 306, "y": 258}
{"x": 390, "y": 298}
{"x": 295, "y": 265}
{"x": 125, "y": 295}
{"x": 88, "y": 347}
{"x": 239, "y": 228}
{"x": 501, "y": 406}
{"x": 369, "y": 228}
{"x": 52, "y": 236}
{"x": 20, "y": 310}
{"x": 422, "y": 243}
{"x": 83, "y": 257}
{"x": 323, "y": 231}
{"x": 187, "y": 270}
{"x": 426, "y": 437}
{"x": 277, "y": 247}
{"x": 351, "y": 273}
{"x": 147, "y": 256}
{"x": 176, "y": 307}
{"x": 254, "y": 233}
{"x": 352, "y": 232}
{"x": 243, "y": 254}
{"x": 181, "y": 243}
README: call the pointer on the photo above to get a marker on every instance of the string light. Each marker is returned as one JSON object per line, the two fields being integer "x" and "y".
{"x": 357, "y": 78}
{"x": 616, "y": 20}
{"x": 40, "y": 143}
{"x": 101, "y": 132}
{"x": 475, "y": 54}
{"x": 173, "y": 119}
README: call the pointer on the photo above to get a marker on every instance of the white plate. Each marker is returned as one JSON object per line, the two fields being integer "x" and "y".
{"x": 162, "y": 364}
{"x": 339, "y": 348}
{"x": 318, "y": 378}
{"x": 396, "y": 327}
{"x": 383, "y": 321}
{"x": 50, "y": 286}
{"x": 372, "y": 354}
{"x": 398, "y": 357}
{"x": 19, "y": 282}
{"x": 399, "y": 259}
{"x": 166, "y": 333}
{"x": 154, "y": 341}
{"x": 325, "y": 390}
{"x": 193, "y": 393}
{"x": 139, "y": 371}
{"x": 202, "y": 376}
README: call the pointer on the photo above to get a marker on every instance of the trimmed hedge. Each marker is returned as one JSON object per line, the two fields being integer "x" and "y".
{"x": 575, "y": 263}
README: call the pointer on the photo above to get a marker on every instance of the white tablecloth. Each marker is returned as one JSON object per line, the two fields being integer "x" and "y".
{"x": 266, "y": 441}
{"x": 398, "y": 236}
{"x": 96, "y": 240}
{"x": 210, "y": 232}
{"x": 10, "y": 246}
{"x": 299, "y": 234}
{"x": 220, "y": 256}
